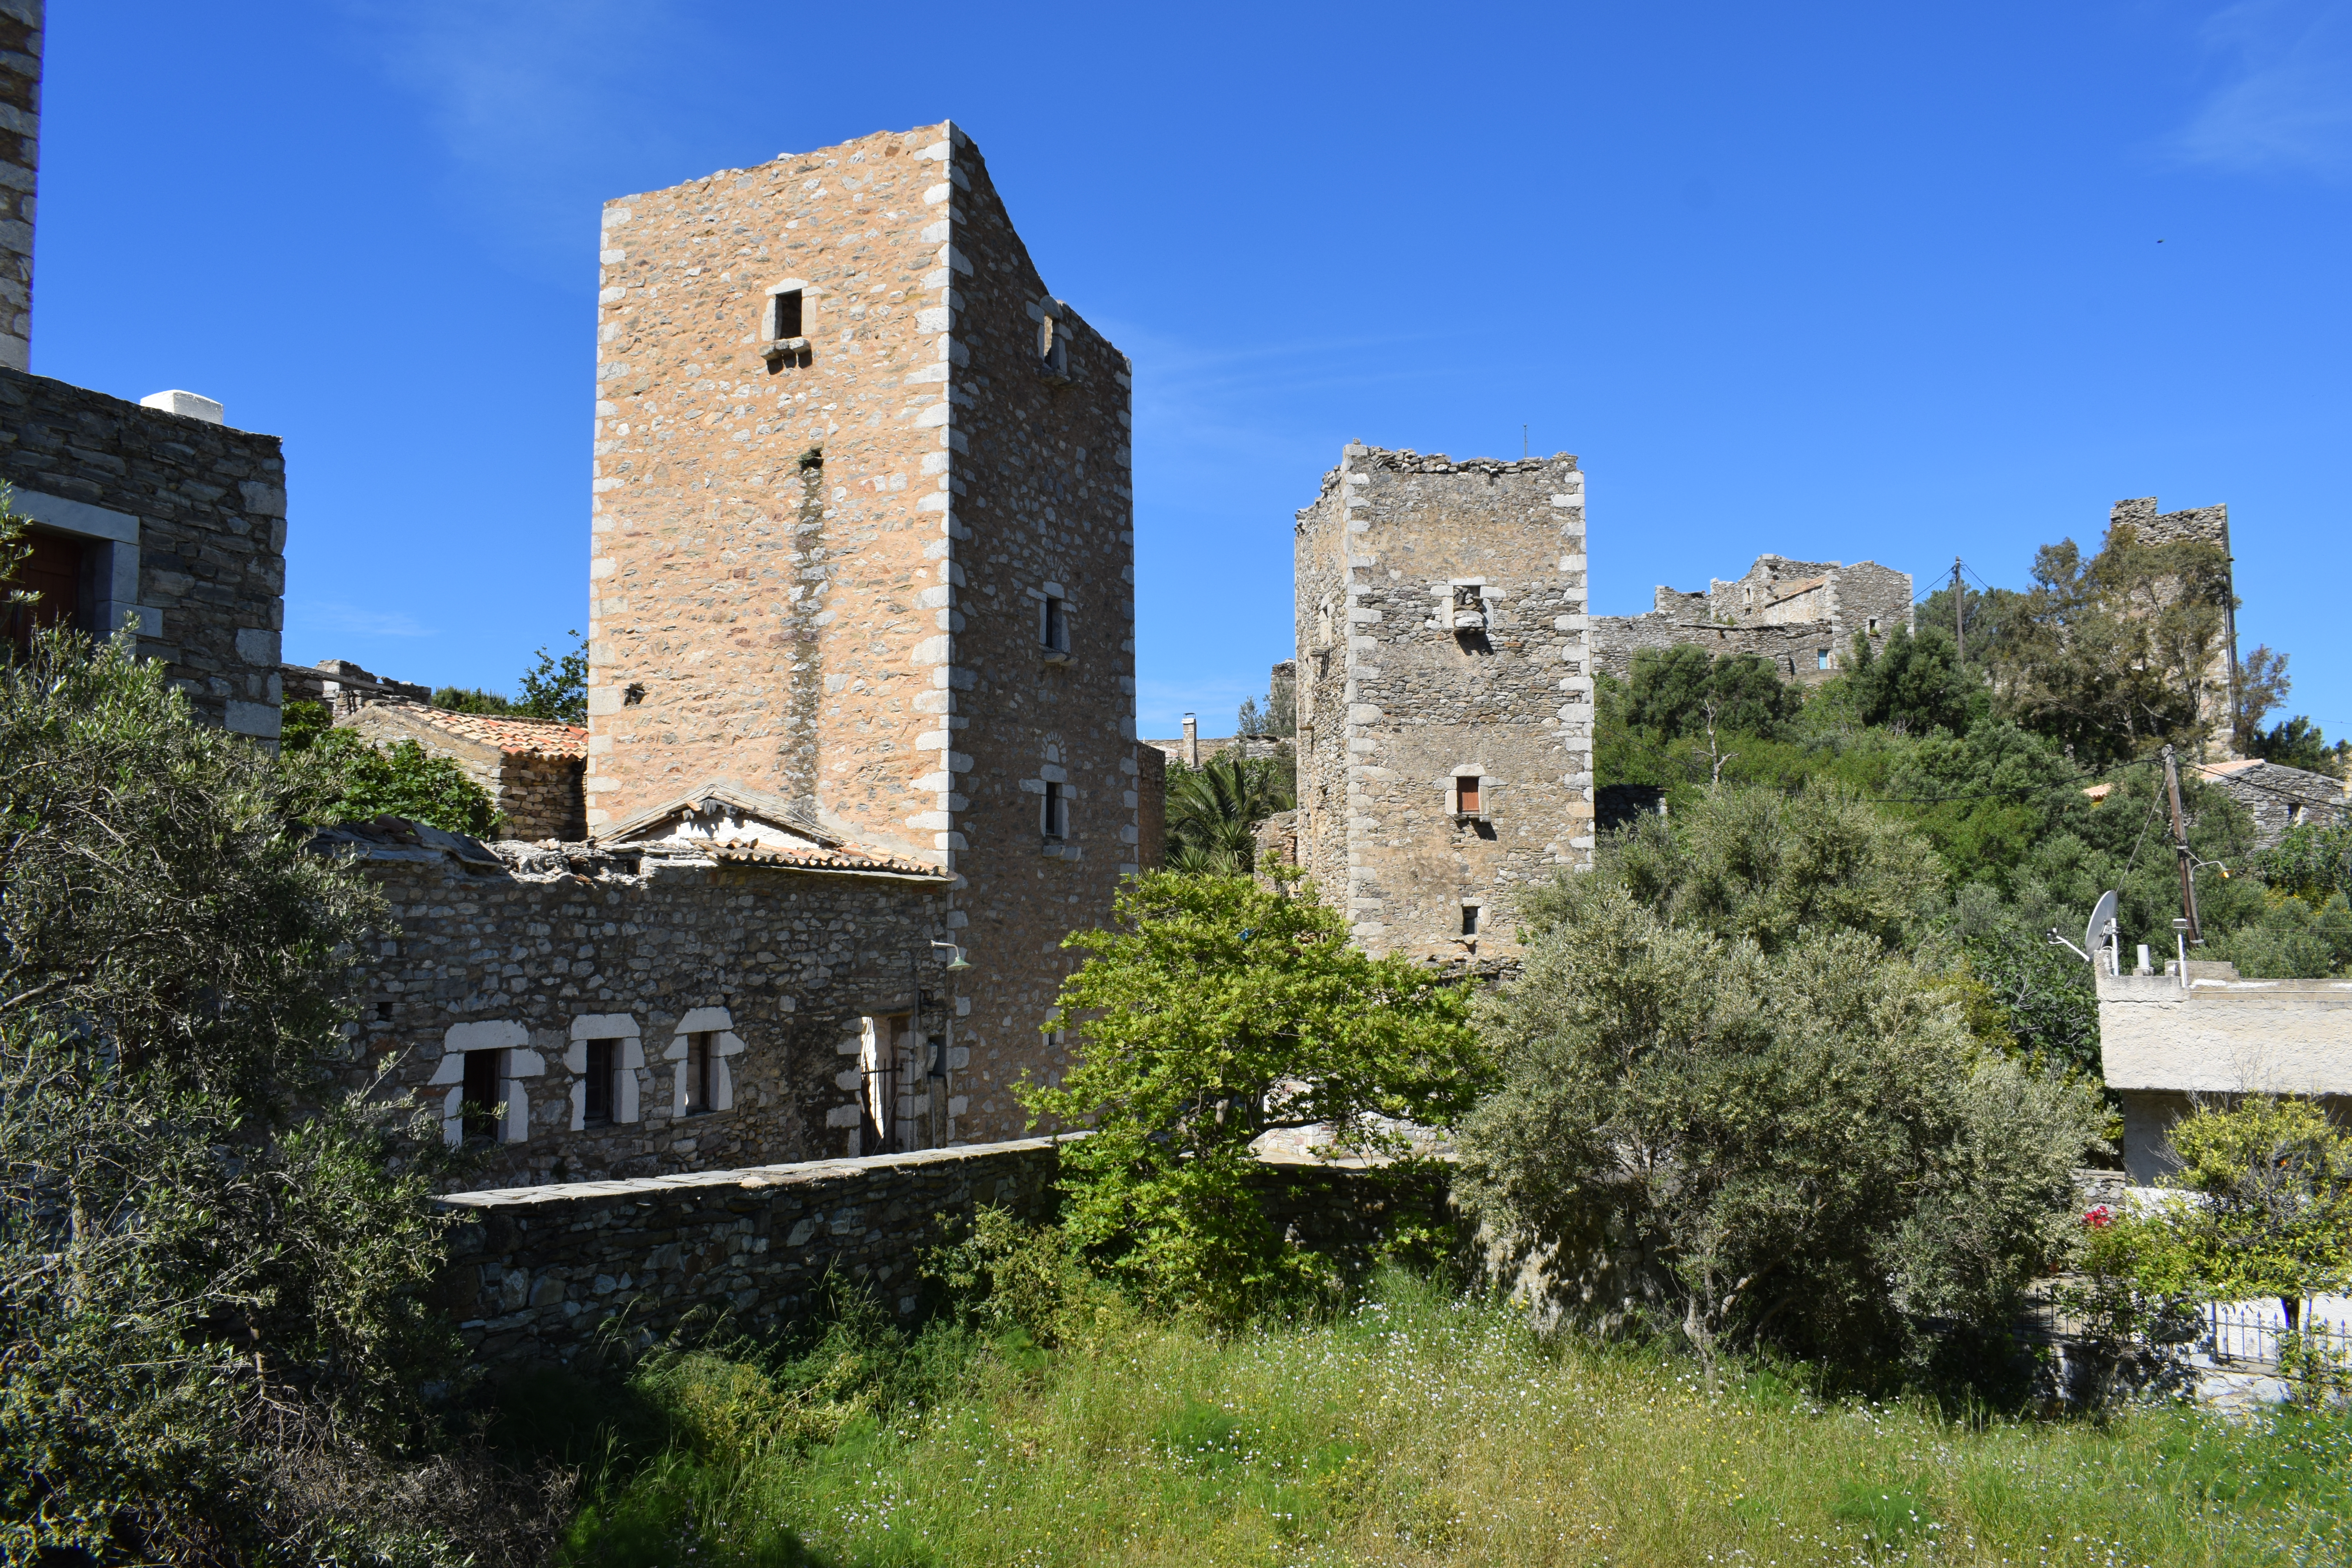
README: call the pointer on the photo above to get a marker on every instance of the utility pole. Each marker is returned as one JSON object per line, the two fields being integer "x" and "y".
{"x": 1960, "y": 623}
{"x": 2181, "y": 847}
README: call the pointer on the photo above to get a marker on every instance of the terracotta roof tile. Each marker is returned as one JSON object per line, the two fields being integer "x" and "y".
{"x": 511, "y": 732}
{"x": 843, "y": 857}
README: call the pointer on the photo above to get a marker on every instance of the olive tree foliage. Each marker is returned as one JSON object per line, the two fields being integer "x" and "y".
{"x": 1214, "y": 1010}
{"x": 351, "y": 780}
{"x": 213, "y": 1266}
{"x": 1723, "y": 1054}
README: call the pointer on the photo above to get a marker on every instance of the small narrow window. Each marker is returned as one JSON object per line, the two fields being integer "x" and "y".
{"x": 1054, "y": 626}
{"x": 1874, "y": 626}
{"x": 1469, "y": 920}
{"x": 481, "y": 1093}
{"x": 1053, "y": 345}
{"x": 596, "y": 1106}
{"x": 1820, "y": 658}
{"x": 698, "y": 1075}
{"x": 1467, "y": 795}
{"x": 784, "y": 315}
{"x": 1057, "y": 816}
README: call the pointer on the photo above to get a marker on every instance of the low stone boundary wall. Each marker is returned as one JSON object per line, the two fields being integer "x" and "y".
{"x": 537, "y": 1274}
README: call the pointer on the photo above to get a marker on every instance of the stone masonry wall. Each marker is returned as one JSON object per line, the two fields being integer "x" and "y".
{"x": 1793, "y": 649}
{"x": 200, "y": 512}
{"x": 820, "y": 566}
{"x": 538, "y": 1273}
{"x": 1396, "y": 703}
{"x": 21, "y": 42}
{"x": 533, "y": 952}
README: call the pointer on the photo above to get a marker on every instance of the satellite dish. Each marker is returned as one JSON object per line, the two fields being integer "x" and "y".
{"x": 2096, "y": 932}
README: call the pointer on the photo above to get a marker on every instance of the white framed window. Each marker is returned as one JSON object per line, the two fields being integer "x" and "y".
{"x": 701, "y": 1057}
{"x": 1053, "y": 812}
{"x": 1471, "y": 915}
{"x": 784, "y": 315}
{"x": 1469, "y": 795}
{"x": 483, "y": 1073}
{"x": 1820, "y": 658}
{"x": 1053, "y": 624}
{"x": 604, "y": 1055}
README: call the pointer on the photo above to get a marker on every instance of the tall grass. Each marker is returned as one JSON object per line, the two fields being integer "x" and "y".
{"x": 1417, "y": 1428}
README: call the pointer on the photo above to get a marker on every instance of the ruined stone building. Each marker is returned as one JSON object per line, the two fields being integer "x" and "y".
{"x": 155, "y": 513}
{"x": 1801, "y": 616}
{"x": 2217, "y": 706}
{"x": 1444, "y": 695}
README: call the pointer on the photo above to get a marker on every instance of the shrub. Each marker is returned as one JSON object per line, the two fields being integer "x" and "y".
{"x": 348, "y": 780}
{"x": 1216, "y": 1011}
{"x": 1720, "y": 1054}
{"x": 215, "y": 1306}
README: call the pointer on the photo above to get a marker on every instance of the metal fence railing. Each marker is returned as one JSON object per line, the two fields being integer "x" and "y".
{"x": 2240, "y": 1331}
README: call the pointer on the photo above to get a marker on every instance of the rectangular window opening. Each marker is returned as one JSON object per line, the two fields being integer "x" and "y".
{"x": 1055, "y": 820}
{"x": 1874, "y": 626}
{"x": 784, "y": 315}
{"x": 1054, "y": 626}
{"x": 598, "y": 1106}
{"x": 700, "y": 1074}
{"x": 1820, "y": 658}
{"x": 1469, "y": 920}
{"x": 1467, "y": 795}
{"x": 480, "y": 1093}
{"x": 53, "y": 569}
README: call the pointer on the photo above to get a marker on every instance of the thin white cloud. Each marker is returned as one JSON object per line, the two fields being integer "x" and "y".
{"x": 2286, "y": 101}
{"x": 316, "y": 618}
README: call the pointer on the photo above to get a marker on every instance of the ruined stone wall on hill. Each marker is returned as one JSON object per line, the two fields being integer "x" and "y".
{"x": 1794, "y": 649}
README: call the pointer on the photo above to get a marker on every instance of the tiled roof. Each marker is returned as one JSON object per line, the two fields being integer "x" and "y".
{"x": 511, "y": 732}
{"x": 810, "y": 857}
{"x": 2239, "y": 766}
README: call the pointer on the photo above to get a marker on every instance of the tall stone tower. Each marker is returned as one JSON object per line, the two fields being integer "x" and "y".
{"x": 22, "y": 37}
{"x": 864, "y": 548}
{"x": 1444, "y": 695}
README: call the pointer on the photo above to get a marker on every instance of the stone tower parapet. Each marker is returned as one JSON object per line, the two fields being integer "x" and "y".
{"x": 1444, "y": 695}
{"x": 863, "y": 541}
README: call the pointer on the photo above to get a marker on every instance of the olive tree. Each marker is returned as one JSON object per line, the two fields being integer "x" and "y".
{"x": 1723, "y": 1053}
{"x": 213, "y": 1267}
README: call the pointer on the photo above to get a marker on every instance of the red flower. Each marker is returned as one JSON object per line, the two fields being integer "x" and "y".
{"x": 2099, "y": 1216}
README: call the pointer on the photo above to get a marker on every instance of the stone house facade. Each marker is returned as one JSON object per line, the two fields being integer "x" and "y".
{"x": 2165, "y": 1040}
{"x": 1799, "y": 615}
{"x": 673, "y": 1004}
{"x": 1444, "y": 695}
{"x": 2277, "y": 797}
{"x": 863, "y": 542}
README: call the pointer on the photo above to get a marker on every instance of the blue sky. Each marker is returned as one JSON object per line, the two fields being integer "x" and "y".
{"x": 1843, "y": 281}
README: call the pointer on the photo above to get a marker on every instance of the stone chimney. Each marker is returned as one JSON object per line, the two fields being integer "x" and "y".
{"x": 1191, "y": 740}
{"x": 20, "y": 156}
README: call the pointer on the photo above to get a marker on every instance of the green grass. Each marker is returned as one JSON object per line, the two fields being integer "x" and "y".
{"x": 1418, "y": 1429}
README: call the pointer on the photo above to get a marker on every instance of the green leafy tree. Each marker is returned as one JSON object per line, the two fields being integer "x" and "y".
{"x": 2114, "y": 655}
{"x": 1916, "y": 683}
{"x": 1215, "y": 1011}
{"x": 469, "y": 700}
{"x": 2297, "y": 743}
{"x": 1721, "y": 1054}
{"x": 2312, "y": 861}
{"x": 1684, "y": 691}
{"x": 2271, "y": 1214}
{"x": 350, "y": 780}
{"x": 213, "y": 1270}
{"x": 557, "y": 686}
{"x": 1214, "y": 810}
